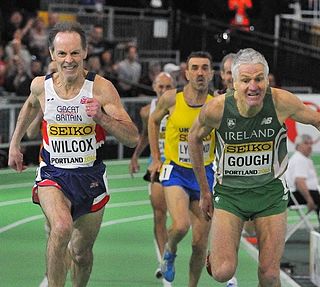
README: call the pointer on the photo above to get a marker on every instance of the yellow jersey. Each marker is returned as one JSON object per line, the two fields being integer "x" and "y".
{"x": 177, "y": 129}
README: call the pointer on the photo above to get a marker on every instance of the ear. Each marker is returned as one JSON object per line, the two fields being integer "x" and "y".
{"x": 212, "y": 74}
{"x": 51, "y": 54}
{"x": 235, "y": 85}
{"x": 187, "y": 74}
{"x": 85, "y": 54}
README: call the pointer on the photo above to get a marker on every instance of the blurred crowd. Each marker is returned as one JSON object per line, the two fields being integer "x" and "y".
{"x": 24, "y": 55}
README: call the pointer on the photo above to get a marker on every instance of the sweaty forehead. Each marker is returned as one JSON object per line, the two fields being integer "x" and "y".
{"x": 198, "y": 61}
{"x": 251, "y": 69}
{"x": 70, "y": 39}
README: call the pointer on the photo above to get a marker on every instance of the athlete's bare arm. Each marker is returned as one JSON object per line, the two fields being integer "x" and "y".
{"x": 34, "y": 129}
{"x": 164, "y": 106}
{"x": 27, "y": 114}
{"x": 143, "y": 140}
{"x": 290, "y": 106}
{"x": 209, "y": 118}
{"x": 112, "y": 116}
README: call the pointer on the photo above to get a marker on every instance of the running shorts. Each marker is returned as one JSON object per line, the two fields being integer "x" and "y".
{"x": 250, "y": 203}
{"x": 173, "y": 174}
{"x": 86, "y": 187}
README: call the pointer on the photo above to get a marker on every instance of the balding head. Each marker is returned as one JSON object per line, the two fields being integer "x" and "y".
{"x": 162, "y": 83}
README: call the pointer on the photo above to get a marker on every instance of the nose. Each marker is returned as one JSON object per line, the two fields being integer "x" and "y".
{"x": 68, "y": 58}
{"x": 252, "y": 85}
{"x": 200, "y": 72}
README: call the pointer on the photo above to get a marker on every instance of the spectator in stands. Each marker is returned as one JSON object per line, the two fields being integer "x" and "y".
{"x": 19, "y": 79}
{"x": 93, "y": 64}
{"x": 15, "y": 48}
{"x": 17, "y": 22}
{"x": 53, "y": 19}
{"x": 129, "y": 72}
{"x": 147, "y": 81}
{"x": 38, "y": 37}
{"x": 97, "y": 44}
{"x": 3, "y": 69}
{"x": 108, "y": 66}
{"x": 36, "y": 67}
{"x": 302, "y": 176}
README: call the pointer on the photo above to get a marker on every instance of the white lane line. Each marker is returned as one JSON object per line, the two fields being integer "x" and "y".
{"x": 106, "y": 162}
{"x": 123, "y": 204}
{"x": 16, "y": 201}
{"x": 20, "y": 222}
{"x": 36, "y": 217}
{"x": 127, "y": 219}
{"x": 107, "y": 223}
{"x": 30, "y": 184}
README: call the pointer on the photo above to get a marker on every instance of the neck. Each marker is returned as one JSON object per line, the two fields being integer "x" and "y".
{"x": 195, "y": 97}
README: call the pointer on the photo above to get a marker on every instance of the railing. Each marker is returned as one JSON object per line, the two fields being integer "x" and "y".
{"x": 152, "y": 28}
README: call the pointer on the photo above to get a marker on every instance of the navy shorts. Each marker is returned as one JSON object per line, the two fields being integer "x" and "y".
{"x": 86, "y": 187}
{"x": 185, "y": 177}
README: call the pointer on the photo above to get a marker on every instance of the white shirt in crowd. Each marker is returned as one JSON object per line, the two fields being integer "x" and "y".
{"x": 301, "y": 166}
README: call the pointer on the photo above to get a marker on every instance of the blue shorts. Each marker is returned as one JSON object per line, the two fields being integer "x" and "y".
{"x": 85, "y": 187}
{"x": 185, "y": 177}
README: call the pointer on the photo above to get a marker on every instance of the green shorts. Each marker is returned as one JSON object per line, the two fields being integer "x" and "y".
{"x": 250, "y": 203}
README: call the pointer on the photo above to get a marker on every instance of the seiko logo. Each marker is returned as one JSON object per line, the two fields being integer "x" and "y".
{"x": 76, "y": 130}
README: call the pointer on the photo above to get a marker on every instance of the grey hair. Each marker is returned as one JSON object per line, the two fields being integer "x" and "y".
{"x": 248, "y": 56}
{"x": 302, "y": 139}
{"x": 67, "y": 27}
{"x": 225, "y": 58}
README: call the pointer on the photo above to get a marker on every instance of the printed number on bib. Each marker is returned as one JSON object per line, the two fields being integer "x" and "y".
{"x": 165, "y": 172}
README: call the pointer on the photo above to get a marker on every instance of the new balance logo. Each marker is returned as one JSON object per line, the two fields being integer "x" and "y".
{"x": 266, "y": 121}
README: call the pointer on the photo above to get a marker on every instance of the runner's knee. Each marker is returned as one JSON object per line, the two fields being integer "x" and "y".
{"x": 269, "y": 274}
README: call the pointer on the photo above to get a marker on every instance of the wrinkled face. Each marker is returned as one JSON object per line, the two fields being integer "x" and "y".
{"x": 199, "y": 73}
{"x": 306, "y": 147}
{"x": 226, "y": 74}
{"x": 162, "y": 84}
{"x": 251, "y": 84}
{"x": 68, "y": 54}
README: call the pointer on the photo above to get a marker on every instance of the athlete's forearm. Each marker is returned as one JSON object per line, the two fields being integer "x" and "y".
{"x": 197, "y": 160}
{"x": 26, "y": 116}
{"x": 153, "y": 135}
{"x": 142, "y": 144}
{"x": 124, "y": 131}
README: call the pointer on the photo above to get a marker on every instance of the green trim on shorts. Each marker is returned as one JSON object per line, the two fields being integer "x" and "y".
{"x": 250, "y": 203}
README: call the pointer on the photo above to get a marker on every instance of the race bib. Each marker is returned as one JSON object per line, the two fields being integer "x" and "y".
{"x": 166, "y": 170}
{"x": 248, "y": 159}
